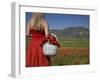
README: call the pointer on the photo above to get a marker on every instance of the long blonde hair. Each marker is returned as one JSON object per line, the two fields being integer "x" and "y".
{"x": 36, "y": 21}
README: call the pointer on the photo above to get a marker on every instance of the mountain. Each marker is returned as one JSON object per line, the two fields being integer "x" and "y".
{"x": 77, "y": 32}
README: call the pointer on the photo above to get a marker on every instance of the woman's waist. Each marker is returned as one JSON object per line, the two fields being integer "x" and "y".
{"x": 37, "y": 40}
{"x": 37, "y": 36}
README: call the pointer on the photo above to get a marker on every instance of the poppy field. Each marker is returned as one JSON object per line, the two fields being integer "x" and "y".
{"x": 73, "y": 51}
{"x": 71, "y": 56}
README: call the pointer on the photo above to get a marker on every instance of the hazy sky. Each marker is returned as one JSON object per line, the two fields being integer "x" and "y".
{"x": 60, "y": 21}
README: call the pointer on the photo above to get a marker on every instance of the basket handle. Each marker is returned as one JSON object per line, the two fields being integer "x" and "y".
{"x": 54, "y": 36}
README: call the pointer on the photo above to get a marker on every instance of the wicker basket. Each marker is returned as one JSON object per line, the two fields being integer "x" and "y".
{"x": 50, "y": 49}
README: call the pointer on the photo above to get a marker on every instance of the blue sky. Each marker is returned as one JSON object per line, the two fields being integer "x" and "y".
{"x": 60, "y": 21}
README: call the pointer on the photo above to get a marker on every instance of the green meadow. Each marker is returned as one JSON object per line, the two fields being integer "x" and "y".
{"x": 74, "y": 42}
{"x": 76, "y": 51}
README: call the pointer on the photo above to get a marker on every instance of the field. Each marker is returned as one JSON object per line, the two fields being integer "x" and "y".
{"x": 74, "y": 42}
{"x": 73, "y": 51}
{"x": 71, "y": 56}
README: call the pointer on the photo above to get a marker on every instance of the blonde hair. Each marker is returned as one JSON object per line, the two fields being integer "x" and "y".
{"x": 36, "y": 21}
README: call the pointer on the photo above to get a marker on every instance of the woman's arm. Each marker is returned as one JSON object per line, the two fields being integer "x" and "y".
{"x": 46, "y": 29}
{"x": 29, "y": 26}
{"x": 28, "y": 30}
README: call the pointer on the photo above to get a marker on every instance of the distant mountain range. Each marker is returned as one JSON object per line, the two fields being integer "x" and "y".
{"x": 77, "y": 32}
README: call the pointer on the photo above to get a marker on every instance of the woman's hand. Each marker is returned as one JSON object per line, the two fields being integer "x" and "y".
{"x": 29, "y": 35}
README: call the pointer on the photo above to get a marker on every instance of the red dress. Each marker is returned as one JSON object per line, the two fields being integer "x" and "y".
{"x": 34, "y": 55}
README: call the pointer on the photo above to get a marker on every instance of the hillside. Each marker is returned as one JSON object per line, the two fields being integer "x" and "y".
{"x": 77, "y": 32}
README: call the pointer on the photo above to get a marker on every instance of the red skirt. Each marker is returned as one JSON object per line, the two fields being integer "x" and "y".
{"x": 34, "y": 54}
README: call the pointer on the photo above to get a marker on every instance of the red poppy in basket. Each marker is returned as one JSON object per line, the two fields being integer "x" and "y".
{"x": 51, "y": 39}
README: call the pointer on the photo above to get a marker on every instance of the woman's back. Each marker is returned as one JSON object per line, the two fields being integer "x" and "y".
{"x": 37, "y": 34}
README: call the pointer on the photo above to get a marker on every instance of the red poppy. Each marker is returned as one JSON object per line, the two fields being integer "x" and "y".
{"x": 51, "y": 39}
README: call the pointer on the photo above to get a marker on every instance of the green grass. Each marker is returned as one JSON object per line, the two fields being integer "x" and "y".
{"x": 69, "y": 42}
{"x": 74, "y": 42}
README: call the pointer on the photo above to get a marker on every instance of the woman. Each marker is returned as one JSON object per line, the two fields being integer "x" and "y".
{"x": 38, "y": 29}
